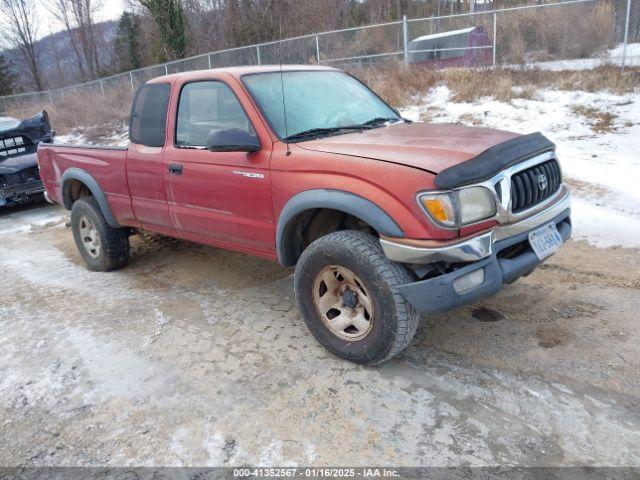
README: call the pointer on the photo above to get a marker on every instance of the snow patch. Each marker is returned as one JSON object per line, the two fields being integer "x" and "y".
{"x": 119, "y": 137}
{"x": 610, "y": 57}
{"x": 20, "y": 221}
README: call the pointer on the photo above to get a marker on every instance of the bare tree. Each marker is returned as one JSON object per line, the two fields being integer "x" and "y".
{"x": 77, "y": 18}
{"x": 59, "y": 9}
{"x": 19, "y": 24}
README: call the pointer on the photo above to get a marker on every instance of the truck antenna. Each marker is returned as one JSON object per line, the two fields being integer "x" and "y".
{"x": 284, "y": 104}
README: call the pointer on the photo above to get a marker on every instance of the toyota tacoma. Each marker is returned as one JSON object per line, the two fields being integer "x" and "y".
{"x": 384, "y": 219}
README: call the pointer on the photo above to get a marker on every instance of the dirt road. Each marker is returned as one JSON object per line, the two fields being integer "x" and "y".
{"x": 197, "y": 356}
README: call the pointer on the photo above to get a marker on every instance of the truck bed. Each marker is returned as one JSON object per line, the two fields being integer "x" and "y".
{"x": 104, "y": 163}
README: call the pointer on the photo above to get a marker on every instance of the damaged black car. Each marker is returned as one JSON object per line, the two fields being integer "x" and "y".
{"x": 19, "y": 176}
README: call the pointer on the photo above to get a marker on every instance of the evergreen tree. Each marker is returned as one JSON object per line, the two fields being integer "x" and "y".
{"x": 169, "y": 17}
{"x": 7, "y": 77}
{"x": 126, "y": 45}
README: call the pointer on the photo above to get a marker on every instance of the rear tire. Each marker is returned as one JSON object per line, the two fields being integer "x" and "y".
{"x": 102, "y": 247}
{"x": 344, "y": 289}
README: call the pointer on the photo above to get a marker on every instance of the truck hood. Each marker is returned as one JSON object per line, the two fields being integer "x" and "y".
{"x": 428, "y": 146}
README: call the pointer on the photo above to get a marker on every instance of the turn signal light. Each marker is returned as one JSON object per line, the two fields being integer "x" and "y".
{"x": 440, "y": 207}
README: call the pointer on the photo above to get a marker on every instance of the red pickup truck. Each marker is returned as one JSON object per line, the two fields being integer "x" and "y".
{"x": 382, "y": 218}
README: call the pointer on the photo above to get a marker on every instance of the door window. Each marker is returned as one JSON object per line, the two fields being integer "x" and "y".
{"x": 207, "y": 106}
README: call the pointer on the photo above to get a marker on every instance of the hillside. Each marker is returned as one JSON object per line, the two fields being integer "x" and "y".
{"x": 57, "y": 57}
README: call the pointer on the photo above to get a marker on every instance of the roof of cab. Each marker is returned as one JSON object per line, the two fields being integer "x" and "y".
{"x": 239, "y": 71}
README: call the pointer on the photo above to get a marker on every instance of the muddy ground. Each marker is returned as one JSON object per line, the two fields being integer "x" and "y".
{"x": 197, "y": 356}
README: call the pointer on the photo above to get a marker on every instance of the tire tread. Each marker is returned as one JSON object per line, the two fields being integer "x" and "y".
{"x": 367, "y": 248}
{"x": 115, "y": 241}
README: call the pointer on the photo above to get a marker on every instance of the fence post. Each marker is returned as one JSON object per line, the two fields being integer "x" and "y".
{"x": 626, "y": 35}
{"x": 102, "y": 88}
{"x": 50, "y": 99}
{"x": 131, "y": 78}
{"x": 405, "y": 39}
{"x": 495, "y": 36}
{"x": 317, "y": 50}
{"x": 258, "y": 54}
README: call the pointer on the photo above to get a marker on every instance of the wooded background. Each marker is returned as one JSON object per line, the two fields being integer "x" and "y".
{"x": 155, "y": 31}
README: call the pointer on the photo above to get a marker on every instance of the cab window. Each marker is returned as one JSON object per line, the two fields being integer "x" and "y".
{"x": 149, "y": 114}
{"x": 207, "y": 106}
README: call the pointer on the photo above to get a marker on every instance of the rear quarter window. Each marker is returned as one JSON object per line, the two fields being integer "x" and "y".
{"x": 147, "y": 124}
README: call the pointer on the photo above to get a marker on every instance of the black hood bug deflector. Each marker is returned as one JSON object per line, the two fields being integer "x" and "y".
{"x": 494, "y": 159}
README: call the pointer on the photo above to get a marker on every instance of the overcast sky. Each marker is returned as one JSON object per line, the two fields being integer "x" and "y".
{"x": 110, "y": 10}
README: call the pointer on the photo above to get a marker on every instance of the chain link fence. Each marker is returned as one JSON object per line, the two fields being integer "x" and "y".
{"x": 574, "y": 34}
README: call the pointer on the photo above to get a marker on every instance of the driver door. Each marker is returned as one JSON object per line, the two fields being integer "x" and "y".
{"x": 221, "y": 198}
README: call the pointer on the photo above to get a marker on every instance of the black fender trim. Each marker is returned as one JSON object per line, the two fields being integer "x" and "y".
{"x": 494, "y": 159}
{"x": 85, "y": 177}
{"x": 346, "y": 202}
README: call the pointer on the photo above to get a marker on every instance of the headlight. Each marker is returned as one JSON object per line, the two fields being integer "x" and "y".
{"x": 476, "y": 203}
{"x": 459, "y": 207}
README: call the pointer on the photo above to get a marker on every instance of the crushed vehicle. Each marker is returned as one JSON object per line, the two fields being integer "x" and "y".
{"x": 383, "y": 218}
{"x": 19, "y": 176}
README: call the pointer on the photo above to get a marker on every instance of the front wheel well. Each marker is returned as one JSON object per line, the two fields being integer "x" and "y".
{"x": 313, "y": 224}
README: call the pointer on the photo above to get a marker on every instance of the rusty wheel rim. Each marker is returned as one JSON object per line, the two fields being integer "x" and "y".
{"x": 343, "y": 302}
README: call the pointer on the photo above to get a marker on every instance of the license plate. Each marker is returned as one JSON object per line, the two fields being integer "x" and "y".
{"x": 545, "y": 241}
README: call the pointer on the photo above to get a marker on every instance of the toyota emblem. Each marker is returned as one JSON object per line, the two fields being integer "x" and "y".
{"x": 542, "y": 181}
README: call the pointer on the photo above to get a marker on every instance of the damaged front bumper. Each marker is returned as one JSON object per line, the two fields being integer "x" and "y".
{"x": 488, "y": 261}
{"x": 19, "y": 175}
{"x": 23, "y": 193}
{"x": 20, "y": 180}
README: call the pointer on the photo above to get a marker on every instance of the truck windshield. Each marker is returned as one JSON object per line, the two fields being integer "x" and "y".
{"x": 317, "y": 103}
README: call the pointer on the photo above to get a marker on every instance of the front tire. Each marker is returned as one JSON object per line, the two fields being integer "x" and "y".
{"x": 102, "y": 247}
{"x": 344, "y": 289}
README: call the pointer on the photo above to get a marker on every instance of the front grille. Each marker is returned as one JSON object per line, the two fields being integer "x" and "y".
{"x": 15, "y": 146}
{"x": 12, "y": 146}
{"x": 534, "y": 185}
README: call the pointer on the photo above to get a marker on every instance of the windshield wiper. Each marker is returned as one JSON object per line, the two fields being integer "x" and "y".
{"x": 374, "y": 122}
{"x": 325, "y": 130}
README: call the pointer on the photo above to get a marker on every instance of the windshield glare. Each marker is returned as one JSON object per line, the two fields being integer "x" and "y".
{"x": 314, "y": 99}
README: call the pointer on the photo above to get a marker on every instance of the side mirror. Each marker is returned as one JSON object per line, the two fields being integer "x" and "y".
{"x": 232, "y": 141}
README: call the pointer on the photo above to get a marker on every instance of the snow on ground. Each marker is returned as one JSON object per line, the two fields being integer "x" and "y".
{"x": 598, "y": 143}
{"x": 118, "y": 136}
{"x": 612, "y": 56}
{"x": 25, "y": 219}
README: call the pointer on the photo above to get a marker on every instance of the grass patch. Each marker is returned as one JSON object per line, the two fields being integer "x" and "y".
{"x": 97, "y": 112}
{"x": 599, "y": 120}
{"x": 470, "y": 119}
{"x": 401, "y": 86}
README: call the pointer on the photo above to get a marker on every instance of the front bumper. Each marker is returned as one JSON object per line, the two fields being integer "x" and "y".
{"x": 438, "y": 294}
{"x": 16, "y": 194}
{"x": 478, "y": 247}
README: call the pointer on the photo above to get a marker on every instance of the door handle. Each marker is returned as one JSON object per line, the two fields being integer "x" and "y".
{"x": 175, "y": 169}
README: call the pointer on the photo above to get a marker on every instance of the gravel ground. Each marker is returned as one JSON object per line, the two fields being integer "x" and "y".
{"x": 196, "y": 356}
